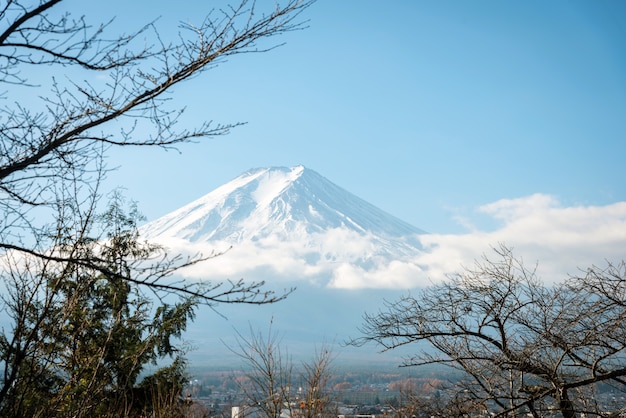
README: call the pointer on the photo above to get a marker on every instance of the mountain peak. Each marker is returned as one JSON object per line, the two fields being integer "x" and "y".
{"x": 264, "y": 201}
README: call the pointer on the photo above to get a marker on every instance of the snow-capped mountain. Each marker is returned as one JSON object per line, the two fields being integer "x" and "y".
{"x": 292, "y": 227}
{"x": 295, "y": 223}
{"x": 281, "y": 200}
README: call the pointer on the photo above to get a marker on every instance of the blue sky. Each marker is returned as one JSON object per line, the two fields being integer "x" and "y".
{"x": 479, "y": 121}
{"x": 427, "y": 109}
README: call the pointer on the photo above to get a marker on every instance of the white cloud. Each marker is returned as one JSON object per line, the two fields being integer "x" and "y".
{"x": 393, "y": 275}
{"x": 538, "y": 228}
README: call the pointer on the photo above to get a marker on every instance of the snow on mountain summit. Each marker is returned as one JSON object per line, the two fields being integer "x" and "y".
{"x": 292, "y": 221}
{"x": 275, "y": 200}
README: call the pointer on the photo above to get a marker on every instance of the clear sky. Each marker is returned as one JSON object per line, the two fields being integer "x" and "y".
{"x": 458, "y": 117}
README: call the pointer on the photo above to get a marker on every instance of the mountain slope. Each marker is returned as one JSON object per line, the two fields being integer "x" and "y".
{"x": 270, "y": 200}
{"x": 292, "y": 223}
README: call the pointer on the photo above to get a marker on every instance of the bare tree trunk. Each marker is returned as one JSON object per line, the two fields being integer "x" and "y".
{"x": 565, "y": 404}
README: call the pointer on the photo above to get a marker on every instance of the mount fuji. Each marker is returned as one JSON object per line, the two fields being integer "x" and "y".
{"x": 291, "y": 227}
{"x": 292, "y": 224}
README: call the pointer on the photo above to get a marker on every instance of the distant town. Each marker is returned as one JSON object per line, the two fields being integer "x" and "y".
{"x": 363, "y": 392}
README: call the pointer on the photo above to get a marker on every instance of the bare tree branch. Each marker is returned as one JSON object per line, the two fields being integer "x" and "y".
{"x": 81, "y": 326}
{"x": 522, "y": 345}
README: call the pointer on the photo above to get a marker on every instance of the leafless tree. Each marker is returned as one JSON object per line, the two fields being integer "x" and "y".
{"x": 58, "y": 144}
{"x": 522, "y": 347}
{"x": 268, "y": 386}
{"x": 315, "y": 398}
{"x": 273, "y": 384}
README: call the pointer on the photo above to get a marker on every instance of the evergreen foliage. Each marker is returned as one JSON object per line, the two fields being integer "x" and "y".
{"x": 92, "y": 334}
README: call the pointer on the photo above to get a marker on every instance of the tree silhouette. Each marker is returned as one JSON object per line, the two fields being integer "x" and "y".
{"x": 521, "y": 346}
